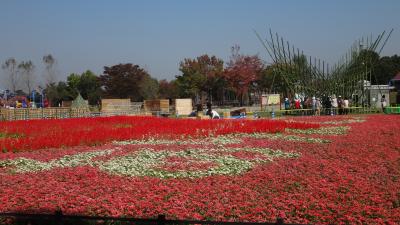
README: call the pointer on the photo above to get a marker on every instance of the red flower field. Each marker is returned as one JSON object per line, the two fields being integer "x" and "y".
{"x": 341, "y": 169}
{"x": 39, "y": 134}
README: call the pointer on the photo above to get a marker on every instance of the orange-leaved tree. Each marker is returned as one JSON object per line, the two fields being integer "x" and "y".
{"x": 242, "y": 71}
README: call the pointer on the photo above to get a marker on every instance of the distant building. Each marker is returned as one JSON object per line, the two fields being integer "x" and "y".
{"x": 376, "y": 92}
{"x": 371, "y": 95}
{"x": 395, "y": 94}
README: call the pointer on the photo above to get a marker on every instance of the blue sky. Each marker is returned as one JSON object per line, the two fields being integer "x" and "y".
{"x": 158, "y": 34}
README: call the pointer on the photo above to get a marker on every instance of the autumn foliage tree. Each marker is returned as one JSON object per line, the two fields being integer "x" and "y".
{"x": 126, "y": 81}
{"x": 242, "y": 71}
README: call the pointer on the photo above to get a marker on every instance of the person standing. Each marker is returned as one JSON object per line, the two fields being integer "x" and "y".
{"x": 346, "y": 105}
{"x": 383, "y": 102}
{"x": 287, "y": 105}
{"x": 340, "y": 105}
{"x": 334, "y": 104}
{"x": 314, "y": 105}
{"x": 326, "y": 104}
{"x": 297, "y": 103}
{"x": 318, "y": 107}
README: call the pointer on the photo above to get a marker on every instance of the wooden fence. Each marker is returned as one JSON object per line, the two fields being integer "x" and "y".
{"x": 42, "y": 113}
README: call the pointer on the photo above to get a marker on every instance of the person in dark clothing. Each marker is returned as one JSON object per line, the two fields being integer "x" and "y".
{"x": 340, "y": 105}
{"x": 199, "y": 109}
{"x": 326, "y": 103}
{"x": 208, "y": 105}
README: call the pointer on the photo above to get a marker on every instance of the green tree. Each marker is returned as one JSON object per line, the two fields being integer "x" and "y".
{"x": 386, "y": 68}
{"x": 200, "y": 76}
{"x": 382, "y": 69}
{"x": 289, "y": 76}
{"x": 269, "y": 80}
{"x": 89, "y": 87}
{"x": 56, "y": 93}
{"x": 148, "y": 88}
{"x": 87, "y": 84}
{"x": 73, "y": 81}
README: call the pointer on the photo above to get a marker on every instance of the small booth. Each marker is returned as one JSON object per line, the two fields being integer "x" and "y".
{"x": 159, "y": 107}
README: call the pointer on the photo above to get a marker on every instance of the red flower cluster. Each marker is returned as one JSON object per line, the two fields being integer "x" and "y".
{"x": 355, "y": 179}
{"x": 38, "y": 134}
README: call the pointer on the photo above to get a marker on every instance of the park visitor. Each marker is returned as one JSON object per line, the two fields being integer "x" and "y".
{"x": 340, "y": 105}
{"x": 334, "y": 104}
{"x": 346, "y": 105}
{"x": 314, "y": 105}
{"x": 287, "y": 104}
{"x": 318, "y": 107}
{"x": 212, "y": 114}
{"x": 383, "y": 102}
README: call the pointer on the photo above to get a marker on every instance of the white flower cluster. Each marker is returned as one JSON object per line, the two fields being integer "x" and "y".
{"x": 285, "y": 137}
{"x": 352, "y": 120}
{"x": 219, "y": 140}
{"x": 21, "y": 165}
{"x": 224, "y": 139}
{"x": 148, "y": 162}
{"x": 323, "y": 130}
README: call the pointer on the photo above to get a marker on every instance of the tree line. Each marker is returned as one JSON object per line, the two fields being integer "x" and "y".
{"x": 201, "y": 77}
{"x": 21, "y": 76}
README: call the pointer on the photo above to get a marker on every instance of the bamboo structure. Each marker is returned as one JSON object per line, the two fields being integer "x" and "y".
{"x": 310, "y": 76}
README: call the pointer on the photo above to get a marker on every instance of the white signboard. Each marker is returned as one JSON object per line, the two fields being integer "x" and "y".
{"x": 270, "y": 99}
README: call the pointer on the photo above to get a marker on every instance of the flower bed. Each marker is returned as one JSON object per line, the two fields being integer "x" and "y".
{"x": 37, "y": 134}
{"x": 334, "y": 173}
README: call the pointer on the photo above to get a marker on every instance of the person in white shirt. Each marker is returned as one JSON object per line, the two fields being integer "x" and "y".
{"x": 346, "y": 105}
{"x": 214, "y": 115}
{"x": 334, "y": 104}
{"x": 383, "y": 102}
